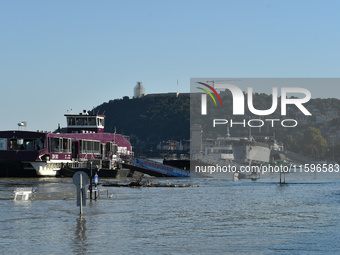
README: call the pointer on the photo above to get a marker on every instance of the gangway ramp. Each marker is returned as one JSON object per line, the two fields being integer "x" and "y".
{"x": 156, "y": 169}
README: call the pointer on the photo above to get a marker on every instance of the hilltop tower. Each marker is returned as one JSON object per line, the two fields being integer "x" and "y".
{"x": 138, "y": 90}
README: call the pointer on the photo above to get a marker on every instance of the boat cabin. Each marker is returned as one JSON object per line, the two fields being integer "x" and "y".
{"x": 85, "y": 123}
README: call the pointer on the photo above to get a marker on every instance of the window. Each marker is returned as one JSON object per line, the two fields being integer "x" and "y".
{"x": 96, "y": 147}
{"x": 100, "y": 122}
{"x": 22, "y": 144}
{"x": 92, "y": 121}
{"x": 55, "y": 146}
{"x": 29, "y": 145}
{"x": 38, "y": 144}
{"x": 3, "y": 144}
{"x": 114, "y": 148}
{"x": 71, "y": 121}
{"x": 79, "y": 121}
{"x": 89, "y": 146}
{"x": 66, "y": 142}
{"x": 58, "y": 145}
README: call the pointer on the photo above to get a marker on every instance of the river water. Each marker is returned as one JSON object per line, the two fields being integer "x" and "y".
{"x": 220, "y": 216}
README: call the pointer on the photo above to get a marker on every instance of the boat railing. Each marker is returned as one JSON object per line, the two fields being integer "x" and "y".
{"x": 85, "y": 157}
{"x": 78, "y": 164}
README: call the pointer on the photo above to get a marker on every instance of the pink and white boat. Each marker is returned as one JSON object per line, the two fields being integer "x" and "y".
{"x": 40, "y": 154}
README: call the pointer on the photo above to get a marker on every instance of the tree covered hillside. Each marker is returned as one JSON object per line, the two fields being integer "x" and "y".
{"x": 160, "y": 117}
{"x": 149, "y": 119}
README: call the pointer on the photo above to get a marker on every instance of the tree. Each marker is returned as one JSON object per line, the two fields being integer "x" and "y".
{"x": 289, "y": 142}
{"x": 313, "y": 143}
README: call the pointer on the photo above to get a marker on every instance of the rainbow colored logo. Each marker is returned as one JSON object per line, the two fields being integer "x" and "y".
{"x": 209, "y": 93}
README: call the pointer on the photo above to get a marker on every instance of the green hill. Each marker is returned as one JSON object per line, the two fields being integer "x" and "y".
{"x": 149, "y": 119}
{"x": 160, "y": 117}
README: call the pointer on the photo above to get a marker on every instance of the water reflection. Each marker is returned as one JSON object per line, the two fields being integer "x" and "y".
{"x": 80, "y": 235}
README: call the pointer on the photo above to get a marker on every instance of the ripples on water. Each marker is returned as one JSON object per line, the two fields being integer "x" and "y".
{"x": 220, "y": 216}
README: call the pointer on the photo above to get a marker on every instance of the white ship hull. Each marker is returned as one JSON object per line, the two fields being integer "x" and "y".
{"x": 45, "y": 169}
{"x": 251, "y": 153}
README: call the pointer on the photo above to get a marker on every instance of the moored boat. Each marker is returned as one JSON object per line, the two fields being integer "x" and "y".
{"x": 41, "y": 154}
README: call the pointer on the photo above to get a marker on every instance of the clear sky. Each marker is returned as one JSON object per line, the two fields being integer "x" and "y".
{"x": 60, "y": 55}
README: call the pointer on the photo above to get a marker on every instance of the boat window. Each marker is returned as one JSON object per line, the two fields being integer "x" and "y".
{"x": 111, "y": 148}
{"x": 12, "y": 144}
{"x": 92, "y": 121}
{"x": 96, "y": 147}
{"x": 81, "y": 143}
{"x": 3, "y": 144}
{"x": 38, "y": 144}
{"x": 71, "y": 121}
{"x": 90, "y": 146}
{"x": 84, "y": 146}
{"x": 69, "y": 145}
{"x": 108, "y": 146}
{"x": 100, "y": 122}
{"x": 20, "y": 142}
{"x": 66, "y": 142}
{"x": 55, "y": 146}
{"x": 114, "y": 148}
{"x": 28, "y": 145}
{"x": 79, "y": 121}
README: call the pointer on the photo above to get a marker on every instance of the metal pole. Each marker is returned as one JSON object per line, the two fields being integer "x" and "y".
{"x": 91, "y": 180}
{"x": 95, "y": 193}
{"x": 284, "y": 178}
{"x": 280, "y": 176}
{"x": 81, "y": 193}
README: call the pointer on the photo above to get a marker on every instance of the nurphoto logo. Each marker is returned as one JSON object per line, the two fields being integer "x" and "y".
{"x": 238, "y": 107}
{"x": 238, "y": 99}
